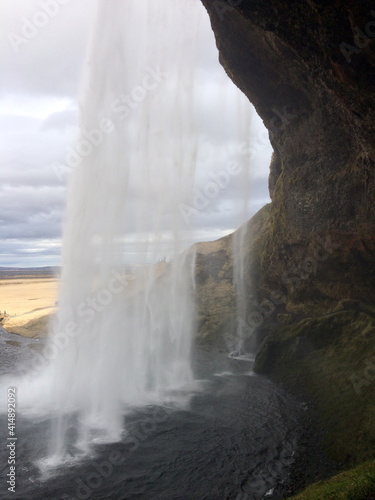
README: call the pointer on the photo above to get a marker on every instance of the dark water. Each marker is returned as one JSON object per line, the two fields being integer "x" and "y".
{"x": 235, "y": 442}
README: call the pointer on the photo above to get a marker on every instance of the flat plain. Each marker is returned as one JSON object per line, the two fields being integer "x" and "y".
{"x": 27, "y": 302}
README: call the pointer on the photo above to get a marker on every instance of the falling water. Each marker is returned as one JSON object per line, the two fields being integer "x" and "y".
{"x": 128, "y": 331}
{"x": 240, "y": 238}
{"x": 123, "y": 333}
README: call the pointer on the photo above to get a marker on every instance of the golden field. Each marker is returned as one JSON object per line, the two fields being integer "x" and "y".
{"x": 29, "y": 302}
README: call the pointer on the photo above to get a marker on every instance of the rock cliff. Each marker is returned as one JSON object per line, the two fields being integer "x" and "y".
{"x": 308, "y": 67}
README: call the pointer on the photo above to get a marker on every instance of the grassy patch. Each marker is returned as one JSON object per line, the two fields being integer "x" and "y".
{"x": 354, "y": 484}
{"x": 331, "y": 360}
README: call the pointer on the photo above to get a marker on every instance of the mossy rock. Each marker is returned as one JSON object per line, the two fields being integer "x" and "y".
{"x": 217, "y": 299}
{"x": 217, "y": 307}
{"x": 354, "y": 484}
{"x": 331, "y": 360}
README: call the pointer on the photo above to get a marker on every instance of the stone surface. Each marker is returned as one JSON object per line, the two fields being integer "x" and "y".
{"x": 331, "y": 360}
{"x": 308, "y": 67}
{"x": 317, "y": 103}
{"x": 216, "y": 292}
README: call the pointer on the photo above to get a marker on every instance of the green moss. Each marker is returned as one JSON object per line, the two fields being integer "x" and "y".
{"x": 331, "y": 360}
{"x": 354, "y": 484}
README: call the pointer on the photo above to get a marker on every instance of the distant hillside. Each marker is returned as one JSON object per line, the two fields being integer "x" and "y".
{"x": 19, "y": 272}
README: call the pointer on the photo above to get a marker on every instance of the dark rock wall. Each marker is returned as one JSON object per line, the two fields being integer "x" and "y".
{"x": 309, "y": 69}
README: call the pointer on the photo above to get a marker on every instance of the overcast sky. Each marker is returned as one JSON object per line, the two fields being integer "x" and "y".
{"x": 42, "y": 54}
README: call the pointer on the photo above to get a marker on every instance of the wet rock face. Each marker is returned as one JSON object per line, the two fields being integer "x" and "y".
{"x": 328, "y": 358}
{"x": 309, "y": 69}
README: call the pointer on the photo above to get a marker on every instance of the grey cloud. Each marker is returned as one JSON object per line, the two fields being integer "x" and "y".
{"x": 32, "y": 196}
{"x": 29, "y": 252}
{"x": 28, "y": 212}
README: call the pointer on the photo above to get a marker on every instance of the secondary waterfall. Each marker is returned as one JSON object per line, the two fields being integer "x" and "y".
{"x": 123, "y": 333}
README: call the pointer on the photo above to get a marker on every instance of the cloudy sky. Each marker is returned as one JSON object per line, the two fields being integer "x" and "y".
{"x": 42, "y": 53}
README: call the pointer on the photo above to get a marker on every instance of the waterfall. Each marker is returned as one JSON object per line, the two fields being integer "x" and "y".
{"x": 123, "y": 333}
{"x": 127, "y": 319}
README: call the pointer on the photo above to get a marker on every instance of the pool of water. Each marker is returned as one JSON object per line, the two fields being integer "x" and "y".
{"x": 236, "y": 440}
